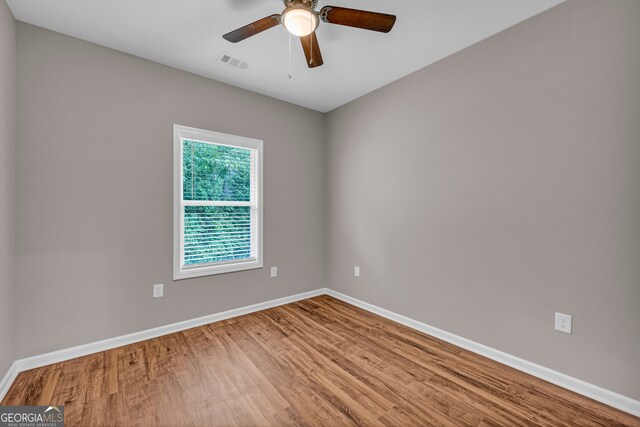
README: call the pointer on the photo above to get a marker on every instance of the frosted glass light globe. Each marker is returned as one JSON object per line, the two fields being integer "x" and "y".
{"x": 300, "y": 20}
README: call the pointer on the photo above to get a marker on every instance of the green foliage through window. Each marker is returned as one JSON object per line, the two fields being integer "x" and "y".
{"x": 215, "y": 172}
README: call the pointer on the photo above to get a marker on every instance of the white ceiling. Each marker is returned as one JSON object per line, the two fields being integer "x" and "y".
{"x": 187, "y": 34}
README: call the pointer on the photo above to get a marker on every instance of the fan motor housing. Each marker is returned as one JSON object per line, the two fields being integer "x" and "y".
{"x": 310, "y": 3}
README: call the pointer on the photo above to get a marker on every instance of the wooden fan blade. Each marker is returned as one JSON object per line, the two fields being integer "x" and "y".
{"x": 358, "y": 18}
{"x": 312, "y": 50}
{"x": 252, "y": 29}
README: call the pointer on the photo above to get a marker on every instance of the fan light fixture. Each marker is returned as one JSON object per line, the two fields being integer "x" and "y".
{"x": 300, "y": 20}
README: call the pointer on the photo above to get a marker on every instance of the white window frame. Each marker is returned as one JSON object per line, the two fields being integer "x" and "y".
{"x": 181, "y": 133}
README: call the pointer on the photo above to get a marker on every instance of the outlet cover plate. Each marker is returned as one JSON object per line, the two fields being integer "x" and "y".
{"x": 158, "y": 291}
{"x": 274, "y": 271}
{"x": 563, "y": 323}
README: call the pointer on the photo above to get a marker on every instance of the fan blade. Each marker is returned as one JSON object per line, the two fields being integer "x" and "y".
{"x": 252, "y": 29}
{"x": 311, "y": 50}
{"x": 358, "y": 18}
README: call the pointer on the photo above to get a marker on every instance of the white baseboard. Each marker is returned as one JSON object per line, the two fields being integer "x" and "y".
{"x": 581, "y": 387}
{"x": 592, "y": 391}
{"x": 8, "y": 379}
{"x": 95, "y": 347}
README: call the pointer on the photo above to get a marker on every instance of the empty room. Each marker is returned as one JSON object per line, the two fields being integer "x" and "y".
{"x": 314, "y": 213}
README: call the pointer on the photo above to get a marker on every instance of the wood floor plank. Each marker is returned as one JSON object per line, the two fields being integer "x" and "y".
{"x": 317, "y": 362}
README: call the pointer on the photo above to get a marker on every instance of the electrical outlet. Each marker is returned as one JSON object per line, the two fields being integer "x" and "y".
{"x": 563, "y": 323}
{"x": 158, "y": 291}
{"x": 274, "y": 271}
{"x": 356, "y": 271}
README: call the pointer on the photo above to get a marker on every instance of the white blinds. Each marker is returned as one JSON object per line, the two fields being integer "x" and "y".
{"x": 219, "y": 204}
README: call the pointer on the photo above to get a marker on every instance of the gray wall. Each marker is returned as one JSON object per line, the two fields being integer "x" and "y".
{"x": 94, "y": 192}
{"x": 489, "y": 190}
{"x": 7, "y": 187}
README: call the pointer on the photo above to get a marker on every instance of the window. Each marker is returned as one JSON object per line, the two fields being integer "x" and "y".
{"x": 217, "y": 203}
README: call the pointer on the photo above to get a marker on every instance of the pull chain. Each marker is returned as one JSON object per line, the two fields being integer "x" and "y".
{"x": 311, "y": 41}
{"x": 289, "y": 55}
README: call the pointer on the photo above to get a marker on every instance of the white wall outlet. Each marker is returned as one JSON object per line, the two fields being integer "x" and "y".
{"x": 158, "y": 290}
{"x": 563, "y": 323}
{"x": 274, "y": 271}
{"x": 356, "y": 271}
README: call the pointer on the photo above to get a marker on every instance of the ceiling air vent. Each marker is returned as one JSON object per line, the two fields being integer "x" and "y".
{"x": 233, "y": 62}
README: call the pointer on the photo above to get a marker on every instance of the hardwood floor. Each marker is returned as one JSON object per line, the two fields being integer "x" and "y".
{"x": 314, "y": 362}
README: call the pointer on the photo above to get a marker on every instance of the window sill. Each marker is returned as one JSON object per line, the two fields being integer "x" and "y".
{"x": 218, "y": 269}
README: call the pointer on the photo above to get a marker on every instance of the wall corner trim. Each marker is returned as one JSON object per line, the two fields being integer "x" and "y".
{"x": 584, "y": 388}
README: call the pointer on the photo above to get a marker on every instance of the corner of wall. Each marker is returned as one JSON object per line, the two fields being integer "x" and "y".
{"x": 7, "y": 180}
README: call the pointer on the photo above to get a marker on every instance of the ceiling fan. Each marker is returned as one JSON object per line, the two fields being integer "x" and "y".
{"x": 301, "y": 19}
